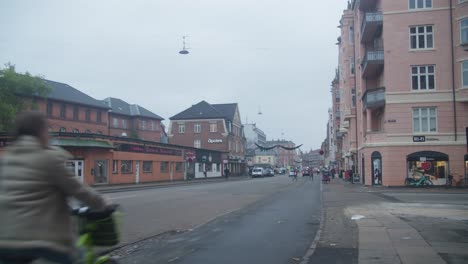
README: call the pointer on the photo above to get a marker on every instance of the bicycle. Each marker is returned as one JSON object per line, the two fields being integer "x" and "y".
{"x": 449, "y": 181}
{"x": 96, "y": 228}
{"x": 423, "y": 181}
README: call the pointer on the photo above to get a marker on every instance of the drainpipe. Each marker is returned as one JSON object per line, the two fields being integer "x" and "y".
{"x": 453, "y": 73}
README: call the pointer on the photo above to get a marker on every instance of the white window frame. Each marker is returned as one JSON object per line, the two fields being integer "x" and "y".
{"x": 416, "y": 4}
{"x": 463, "y": 28}
{"x": 115, "y": 122}
{"x": 197, "y": 128}
{"x": 153, "y": 125}
{"x": 418, "y": 74}
{"x": 197, "y": 143}
{"x": 425, "y": 34}
{"x": 464, "y": 68}
{"x": 213, "y": 127}
{"x": 424, "y": 115}
{"x": 143, "y": 124}
{"x": 181, "y": 128}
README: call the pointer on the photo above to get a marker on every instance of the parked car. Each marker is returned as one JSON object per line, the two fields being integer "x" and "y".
{"x": 258, "y": 172}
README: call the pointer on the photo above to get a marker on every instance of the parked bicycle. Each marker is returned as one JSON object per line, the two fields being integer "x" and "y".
{"x": 423, "y": 181}
{"x": 96, "y": 228}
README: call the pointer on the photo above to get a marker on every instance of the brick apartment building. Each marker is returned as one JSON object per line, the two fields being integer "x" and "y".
{"x": 112, "y": 142}
{"x": 214, "y": 127}
{"x": 400, "y": 98}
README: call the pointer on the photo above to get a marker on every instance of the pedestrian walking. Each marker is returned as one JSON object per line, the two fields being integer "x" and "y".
{"x": 226, "y": 173}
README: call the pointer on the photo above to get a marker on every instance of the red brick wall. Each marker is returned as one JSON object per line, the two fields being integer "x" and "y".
{"x": 134, "y": 124}
{"x": 56, "y": 122}
{"x": 188, "y": 138}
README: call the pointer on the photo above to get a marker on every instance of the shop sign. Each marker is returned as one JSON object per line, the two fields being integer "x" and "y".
{"x": 214, "y": 141}
{"x": 419, "y": 138}
{"x": 149, "y": 150}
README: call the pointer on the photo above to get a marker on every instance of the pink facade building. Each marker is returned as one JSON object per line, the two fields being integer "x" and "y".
{"x": 403, "y": 87}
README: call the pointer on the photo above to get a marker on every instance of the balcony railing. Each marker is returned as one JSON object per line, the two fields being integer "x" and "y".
{"x": 374, "y": 98}
{"x": 364, "y": 4}
{"x": 371, "y": 25}
{"x": 372, "y": 63}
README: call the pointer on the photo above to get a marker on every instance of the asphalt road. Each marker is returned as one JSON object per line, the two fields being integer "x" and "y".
{"x": 269, "y": 220}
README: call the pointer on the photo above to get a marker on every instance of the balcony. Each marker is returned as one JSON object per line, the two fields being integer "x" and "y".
{"x": 372, "y": 63}
{"x": 348, "y": 115}
{"x": 374, "y": 98}
{"x": 371, "y": 26}
{"x": 364, "y": 5}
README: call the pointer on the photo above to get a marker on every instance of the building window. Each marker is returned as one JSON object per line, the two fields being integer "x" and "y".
{"x": 115, "y": 122}
{"x": 99, "y": 116}
{"x": 75, "y": 112}
{"x": 126, "y": 166}
{"x": 197, "y": 143}
{"x": 422, "y": 77}
{"x": 353, "y": 96}
{"x": 197, "y": 128}
{"x": 115, "y": 166}
{"x": 63, "y": 111}
{"x": 76, "y": 130}
{"x": 420, "y": 4}
{"x": 179, "y": 167}
{"x": 124, "y": 124}
{"x": 88, "y": 115}
{"x": 465, "y": 74}
{"x": 181, "y": 128}
{"x": 49, "y": 110}
{"x": 87, "y": 131}
{"x": 464, "y": 31}
{"x": 63, "y": 130}
{"x": 351, "y": 65}
{"x": 421, "y": 37}
{"x": 213, "y": 127}
{"x": 99, "y": 132}
{"x": 143, "y": 124}
{"x": 153, "y": 125}
{"x": 164, "y": 166}
{"x": 351, "y": 35}
{"x": 424, "y": 120}
{"x": 147, "y": 166}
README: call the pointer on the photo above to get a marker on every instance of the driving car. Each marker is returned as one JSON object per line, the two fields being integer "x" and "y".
{"x": 292, "y": 172}
{"x": 258, "y": 172}
{"x": 270, "y": 172}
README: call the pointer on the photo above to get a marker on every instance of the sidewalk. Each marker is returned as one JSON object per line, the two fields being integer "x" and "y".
{"x": 150, "y": 185}
{"x": 362, "y": 227}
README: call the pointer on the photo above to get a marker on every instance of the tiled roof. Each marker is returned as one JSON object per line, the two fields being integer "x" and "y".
{"x": 204, "y": 110}
{"x": 119, "y": 106}
{"x": 66, "y": 93}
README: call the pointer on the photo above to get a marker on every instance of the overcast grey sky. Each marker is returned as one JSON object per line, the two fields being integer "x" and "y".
{"x": 275, "y": 55}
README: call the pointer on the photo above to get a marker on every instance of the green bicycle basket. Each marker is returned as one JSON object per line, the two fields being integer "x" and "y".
{"x": 105, "y": 231}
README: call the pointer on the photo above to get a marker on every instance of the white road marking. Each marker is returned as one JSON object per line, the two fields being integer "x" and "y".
{"x": 121, "y": 197}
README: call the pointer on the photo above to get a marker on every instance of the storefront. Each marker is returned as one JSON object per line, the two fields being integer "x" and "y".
{"x": 466, "y": 170}
{"x": 432, "y": 164}
{"x": 376, "y": 163}
{"x": 208, "y": 164}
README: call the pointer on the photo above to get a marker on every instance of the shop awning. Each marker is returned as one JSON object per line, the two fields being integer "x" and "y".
{"x": 88, "y": 143}
{"x": 439, "y": 156}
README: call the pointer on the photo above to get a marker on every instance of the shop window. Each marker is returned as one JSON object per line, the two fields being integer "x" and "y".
{"x": 147, "y": 166}
{"x": 63, "y": 130}
{"x": 76, "y": 131}
{"x": 115, "y": 166}
{"x": 164, "y": 166}
{"x": 87, "y": 131}
{"x": 126, "y": 166}
{"x": 376, "y": 168}
{"x": 179, "y": 167}
{"x": 428, "y": 163}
